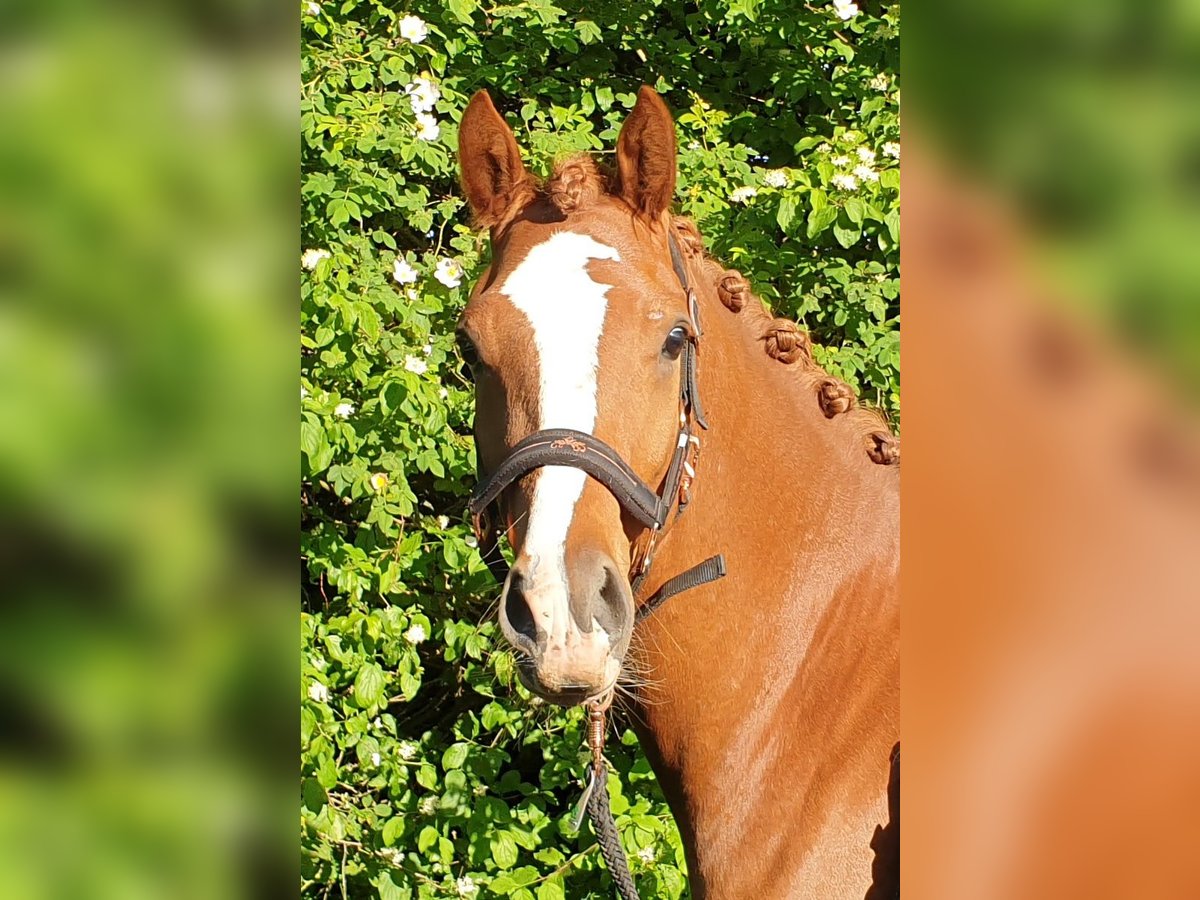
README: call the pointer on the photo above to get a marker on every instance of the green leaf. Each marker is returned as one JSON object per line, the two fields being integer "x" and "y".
{"x": 820, "y": 219}
{"x": 845, "y": 233}
{"x": 427, "y": 777}
{"x": 855, "y": 210}
{"x": 341, "y": 210}
{"x": 315, "y": 446}
{"x": 892, "y": 220}
{"x": 503, "y": 885}
{"x": 462, "y": 10}
{"x": 588, "y": 31}
{"x": 368, "y": 686}
{"x": 550, "y": 890}
{"x": 313, "y": 794}
{"x": 504, "y": 849}
{"x": 455, "y": 756}
{"x": 389, "y": 890}
{"x": 392, "y": 830}
{"x": 787, "y": 211}
{"x": 427, "y": 838}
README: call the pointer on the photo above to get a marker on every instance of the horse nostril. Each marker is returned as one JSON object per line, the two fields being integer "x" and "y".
{"x": 516, "y": 614}
{"x": 613, "y": 609}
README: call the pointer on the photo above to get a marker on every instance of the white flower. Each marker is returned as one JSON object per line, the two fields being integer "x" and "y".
{"x": 479, "y": 790}
{"x": 344, "y": 410}
{"x": 427, "y": 349}
{"x": 880, "y": 82}
{"x": 823, "y": 148}
{"x": 402, "y": 272}
{"x": 841, "y": 160}
{"x": 407, "y": 750}
{"x": 378, "y": 481}
{"x": 413, "y": 28}
{"x": 647, "y": 855}
{"x": 318, "y": 692}
{"x": 448, "y": 272}
{"x": 427, "y": 127}
{"x": 415, "y": 634}
{"x": 693, "y": 145}
{"x": 411, "y": 294}
{"x": 376, "y": 759}
{"x": 866, "y": 154}
{"x": 443, "y": 522}
{"x": 471, "y": 542}
{"x": 742, "y": 194}
{"x": 465, "y": 886}
{"x": 375, "y": 723}
{"x": 423, "y": 94}
{"x": 310, "y": 258}
{"x": 303, "y": 392}
{"x": 843, "y": 181}
{"x": 892, "y": 149}
{"x": 866, "y": 173}
{"x": 845, "y": 9}
{"x": 391, "y": 854}
{"x": 428, "y": 806}
{"x": 776, "y": 178}
{"x": 416, "y": 365}
{"x": 314, "y": 9}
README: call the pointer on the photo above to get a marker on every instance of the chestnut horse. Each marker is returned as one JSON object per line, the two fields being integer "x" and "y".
{"x": 769, "y": 699}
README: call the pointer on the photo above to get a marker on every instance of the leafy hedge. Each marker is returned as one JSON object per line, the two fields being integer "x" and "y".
{"x": 426, "y": 770}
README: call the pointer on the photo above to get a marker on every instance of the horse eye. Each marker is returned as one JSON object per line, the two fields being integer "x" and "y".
{"x": 677, "y": 337}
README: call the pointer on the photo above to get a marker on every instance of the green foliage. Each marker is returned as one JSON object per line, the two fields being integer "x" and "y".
{"x": 426, "y": 770}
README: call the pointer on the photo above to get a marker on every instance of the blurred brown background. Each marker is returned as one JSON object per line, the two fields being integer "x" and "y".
{"x": 1051, "y": 487}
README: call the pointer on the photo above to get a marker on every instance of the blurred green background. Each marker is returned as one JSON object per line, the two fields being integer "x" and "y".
{"x": 147, "y": 473}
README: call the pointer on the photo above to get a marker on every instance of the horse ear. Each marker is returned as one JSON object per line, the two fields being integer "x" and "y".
{"x": 646, "y": 156}
{"x": 492, "y": 171}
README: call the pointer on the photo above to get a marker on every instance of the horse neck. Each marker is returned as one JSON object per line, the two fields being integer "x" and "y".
{"x": 794, "y": 504}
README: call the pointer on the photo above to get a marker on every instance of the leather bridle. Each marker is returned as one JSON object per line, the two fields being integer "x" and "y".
{"x": 580, "y": 450}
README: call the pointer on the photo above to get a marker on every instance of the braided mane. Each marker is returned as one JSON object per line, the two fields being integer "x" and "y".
{"x": 787, "y": 342}
{"x": 577, "y": 182}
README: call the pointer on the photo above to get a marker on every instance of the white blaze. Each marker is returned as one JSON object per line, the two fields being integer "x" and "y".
{"x": 566, "y": 310}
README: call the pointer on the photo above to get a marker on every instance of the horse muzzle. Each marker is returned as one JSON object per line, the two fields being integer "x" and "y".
{"x": 571, "y": 632}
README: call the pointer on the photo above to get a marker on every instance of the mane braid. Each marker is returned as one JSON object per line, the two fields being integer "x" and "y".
{"x": 575, "y": 184}
{"x": 785, "y": 341}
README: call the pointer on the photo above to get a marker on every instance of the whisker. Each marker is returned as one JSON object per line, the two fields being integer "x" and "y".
{"x": 496, "y": 601}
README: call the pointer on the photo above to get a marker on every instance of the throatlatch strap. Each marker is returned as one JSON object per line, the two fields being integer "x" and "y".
{"x": 711, "y": 569}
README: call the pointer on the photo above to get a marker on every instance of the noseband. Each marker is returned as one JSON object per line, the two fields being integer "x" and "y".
{"x": 580, "y": 450}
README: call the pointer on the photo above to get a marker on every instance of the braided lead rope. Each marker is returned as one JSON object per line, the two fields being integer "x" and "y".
{"x": 600, "y": 814}
{"x": 598, "y": 807}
